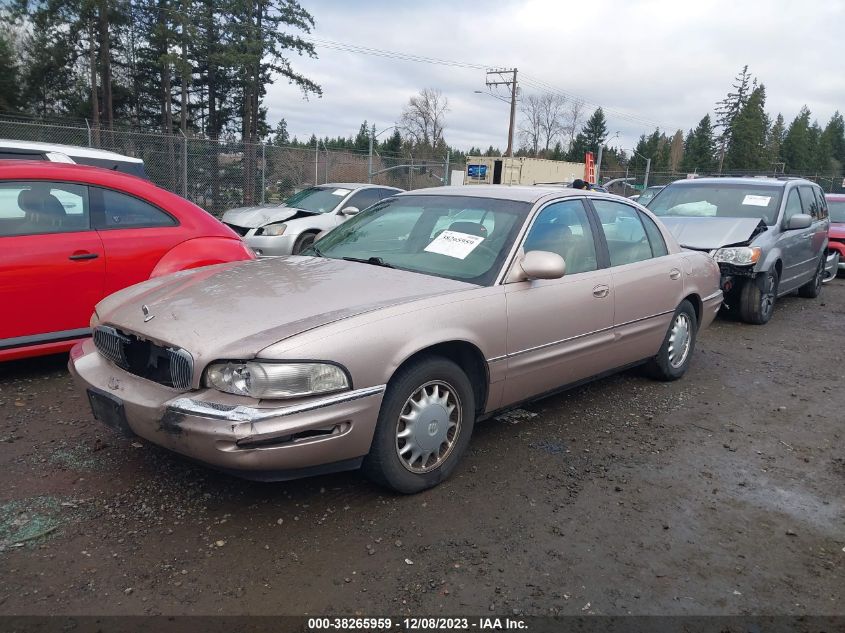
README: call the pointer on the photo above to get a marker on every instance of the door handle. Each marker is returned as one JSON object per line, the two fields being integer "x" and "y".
{"x": 80, "y": 255}
{"x": 674, "y": 274}
{"x": 601, "y": 291}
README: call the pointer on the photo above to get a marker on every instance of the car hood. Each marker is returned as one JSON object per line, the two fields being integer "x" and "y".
{"x": 252, "y": 217}
{"x": 235, "y": 310}
{"x": 710, "y": 233}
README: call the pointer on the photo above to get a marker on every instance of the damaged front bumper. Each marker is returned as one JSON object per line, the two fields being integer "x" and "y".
{"x": 271, "y": 245}
{"x": 250, "y": 438}
{"x": 833, "y": 264}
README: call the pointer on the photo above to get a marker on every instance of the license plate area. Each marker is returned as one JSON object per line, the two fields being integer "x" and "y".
{"x": 109, "y": 410}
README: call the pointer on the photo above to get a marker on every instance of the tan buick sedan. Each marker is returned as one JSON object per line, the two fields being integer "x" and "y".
{"x": 383, "y": 344}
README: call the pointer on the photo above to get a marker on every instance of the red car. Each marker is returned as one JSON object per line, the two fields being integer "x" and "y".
{"x": 836, "y": 243}
{"x": 70, "y": 235}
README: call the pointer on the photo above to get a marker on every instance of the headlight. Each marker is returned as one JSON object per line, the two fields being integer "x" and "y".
{"x": 275, "y": 229}
{"x": 738, "y": 256}
{"x": 276, "y": 380}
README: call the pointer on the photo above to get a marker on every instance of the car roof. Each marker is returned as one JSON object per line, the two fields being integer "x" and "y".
{"x": 516, "y": 193}
{"x": 355, "y": 185}
{"x": 740, "y": 180}
{"x": 69, "y": 150}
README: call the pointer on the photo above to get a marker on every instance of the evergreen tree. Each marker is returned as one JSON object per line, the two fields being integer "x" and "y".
{"x": 280, "y": 135}
{"x": 393, "y": 144}
{"x": 835, "y": 133}
{"x": 700, "y": 148}
{"x": 797, "y": 144}
{"x": 728, "y": 108}
{"x": 10, "y": 77}
{"x": 595, "y": 131}
{"x": 746, "y": 145}
{"x": 774, "y": 142}
{"x": 362, "y": 139}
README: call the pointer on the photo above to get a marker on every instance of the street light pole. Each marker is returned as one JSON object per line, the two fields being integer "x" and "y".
{"x": 370, "y": 161}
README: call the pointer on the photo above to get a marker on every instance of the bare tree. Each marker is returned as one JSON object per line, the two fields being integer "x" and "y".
{"x": 572, "y": 120}
{"x": 424, "y": 118}
{"x": 676, "y": 151}
{"x": 531, "y": 125}
{"x": 551, "y": 118}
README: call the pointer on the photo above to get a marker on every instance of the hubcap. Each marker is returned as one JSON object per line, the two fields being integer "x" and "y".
{"x": 428, "y": 427}
{"x": 679, "y": 340}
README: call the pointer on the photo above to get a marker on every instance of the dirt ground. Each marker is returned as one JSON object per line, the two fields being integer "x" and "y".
{"x": 721, "y": 493}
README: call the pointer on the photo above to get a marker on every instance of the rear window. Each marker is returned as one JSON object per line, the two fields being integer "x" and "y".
{"x": 718, "y": 200}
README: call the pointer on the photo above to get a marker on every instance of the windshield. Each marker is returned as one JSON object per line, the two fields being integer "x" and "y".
{"x": 836, "y": 209}
{"x": 718, "y": 200}
{"x": 457, "y": 237}
{"x": 648, "y": 194}
{"x": 318, "y": 199}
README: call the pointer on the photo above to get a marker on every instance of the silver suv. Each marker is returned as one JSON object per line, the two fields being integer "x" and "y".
{"x": 769, "y": 235}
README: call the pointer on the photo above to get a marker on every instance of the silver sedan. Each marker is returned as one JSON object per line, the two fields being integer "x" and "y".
{"x": 289, "y": 228}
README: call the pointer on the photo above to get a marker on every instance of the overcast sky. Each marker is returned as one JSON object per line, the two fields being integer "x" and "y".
{"x": 662, "y": 62}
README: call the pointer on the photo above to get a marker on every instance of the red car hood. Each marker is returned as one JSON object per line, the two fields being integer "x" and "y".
{"x": 837, "y": 230}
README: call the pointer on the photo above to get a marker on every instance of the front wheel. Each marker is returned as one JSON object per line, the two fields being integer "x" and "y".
{"x": 423, "y": 428}
{"x": 302, "y": 242}
{"x": 757, "y": 297}
{"x": 674, "y": 356}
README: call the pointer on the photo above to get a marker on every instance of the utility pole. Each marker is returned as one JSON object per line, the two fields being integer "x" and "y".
{"x": 370, "y": 159}
{"x": 512, "y": 83}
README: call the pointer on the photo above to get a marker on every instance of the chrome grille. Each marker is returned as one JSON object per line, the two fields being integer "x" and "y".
{"x": 169, "y": 366}
{"x": 111, "y": 344}
{"x": 181, "y": 367}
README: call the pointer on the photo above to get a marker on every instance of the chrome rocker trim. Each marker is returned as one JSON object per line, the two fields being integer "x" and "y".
{"x": 243, "y": 413}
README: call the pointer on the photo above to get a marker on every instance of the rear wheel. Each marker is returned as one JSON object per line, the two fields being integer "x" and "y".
{"x": 303, "y": 241}
{"x": 424, "y": 426}
{"x": 813, "y": 288}
{"x": 674, "y": 356}
{"x": 757, "y": 297}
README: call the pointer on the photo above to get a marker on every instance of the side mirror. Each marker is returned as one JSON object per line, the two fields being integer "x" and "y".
{"x": 350, "y": 211}
{"x": 542, "y": 265}
{"x": 799, "y": 221}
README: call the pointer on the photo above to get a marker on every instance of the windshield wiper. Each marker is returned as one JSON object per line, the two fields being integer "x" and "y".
{"x": 375, "y": 261}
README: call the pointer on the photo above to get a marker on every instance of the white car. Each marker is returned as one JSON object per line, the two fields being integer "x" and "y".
{"x": 53, "y": 152}
{"x": 287, "y": 229}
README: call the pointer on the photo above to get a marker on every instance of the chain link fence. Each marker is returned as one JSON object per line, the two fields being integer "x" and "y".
{"x": 223, "y": 174}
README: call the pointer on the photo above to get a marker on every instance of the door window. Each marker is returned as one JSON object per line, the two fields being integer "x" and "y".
{"x": 363, "y": 199}
{"x": 809, "y": 201}
{"x": 563, "y": 228}
{"x": 121, "y": 211}
{"x": 655, "y": 237}
{"x": 793, "y": 206}
{"x": 32, "y": 208}
{"x": 820, "y": 201}
{"x": 626, "y": 238}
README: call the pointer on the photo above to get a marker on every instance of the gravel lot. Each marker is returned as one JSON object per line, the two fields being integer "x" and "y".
{"x": 718, "y": 494}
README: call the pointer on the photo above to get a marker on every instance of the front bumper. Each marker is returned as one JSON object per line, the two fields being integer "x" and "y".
{"x": 271, "y": 245}
{"x": 247, "y": 437}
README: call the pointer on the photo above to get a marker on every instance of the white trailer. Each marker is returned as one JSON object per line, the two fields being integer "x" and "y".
{"x": 492, "y": 170}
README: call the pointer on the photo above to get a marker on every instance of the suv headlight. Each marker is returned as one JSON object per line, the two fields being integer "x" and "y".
{"x": 259, "y": 379}
{"x": 275, "y": 229}
{"x": 738, "y": 256}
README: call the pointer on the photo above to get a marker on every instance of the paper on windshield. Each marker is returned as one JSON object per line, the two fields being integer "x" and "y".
{"x": 756, "y": 201}
{"x": 454, "y": 244}
{"x": 340, "y": 192}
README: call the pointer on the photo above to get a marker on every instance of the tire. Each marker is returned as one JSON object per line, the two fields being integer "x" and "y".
{"x": 396, "y": 458}
{"x": 674, "y": 356}
{"x": 813, "y": 288}
{"x": 302, "y": 242}
{"x": 757, "y": 298}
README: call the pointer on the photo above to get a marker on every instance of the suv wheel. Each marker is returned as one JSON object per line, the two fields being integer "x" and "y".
{"x": 757, "y": 297}
{"x": 812, "y": 288}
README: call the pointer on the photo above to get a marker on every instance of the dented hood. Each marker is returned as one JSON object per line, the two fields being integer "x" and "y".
{"x": 710, "y": 233}
{"x": 252, "y": 217}
{"x": 235, "y": 310}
